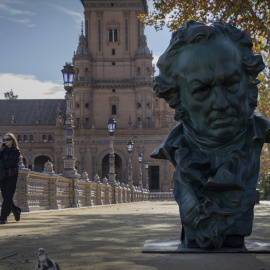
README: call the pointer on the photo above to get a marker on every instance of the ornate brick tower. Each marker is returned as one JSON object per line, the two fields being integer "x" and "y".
{"x": 114, "y": 79}
{"x": 113, "y": 67}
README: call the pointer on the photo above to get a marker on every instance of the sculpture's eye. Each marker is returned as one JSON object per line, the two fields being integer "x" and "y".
{"x": 201, "y": 92}
{"x": 231, "y": 87}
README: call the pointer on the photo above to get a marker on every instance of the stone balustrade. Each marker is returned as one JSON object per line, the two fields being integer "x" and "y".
{"x": 43, "y": 191}
{"x": 160, "y": 196}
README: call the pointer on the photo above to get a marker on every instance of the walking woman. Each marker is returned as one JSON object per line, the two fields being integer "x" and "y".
{"x": 9, "y": 153}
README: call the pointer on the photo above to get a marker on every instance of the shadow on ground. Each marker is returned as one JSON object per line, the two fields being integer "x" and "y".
{"x": 112, "y": 237}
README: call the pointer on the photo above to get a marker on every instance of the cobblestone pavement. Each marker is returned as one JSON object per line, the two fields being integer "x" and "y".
{"x": 112, "y": 237}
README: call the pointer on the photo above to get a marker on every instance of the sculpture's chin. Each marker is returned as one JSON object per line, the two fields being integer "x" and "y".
{"x": 224, "y": 134}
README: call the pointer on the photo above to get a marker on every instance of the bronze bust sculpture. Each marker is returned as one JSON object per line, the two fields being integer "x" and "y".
{"x": 208, "y": 75}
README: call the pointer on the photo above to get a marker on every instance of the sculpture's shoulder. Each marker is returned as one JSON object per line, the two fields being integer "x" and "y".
{"x": 173, "y": 142}
{"x": 261, "y": 126}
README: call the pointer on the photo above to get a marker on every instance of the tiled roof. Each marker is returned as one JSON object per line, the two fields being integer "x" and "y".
{"x": 27, "y": 111}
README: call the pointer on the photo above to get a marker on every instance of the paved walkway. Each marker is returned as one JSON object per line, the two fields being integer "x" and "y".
{"x": 112, "y": 237}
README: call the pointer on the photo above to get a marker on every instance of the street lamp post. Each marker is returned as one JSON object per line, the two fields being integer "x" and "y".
{"x": 130, "y": 145}
{"x": 69, "y": 170}
{"x": 112, "y": 175}
{"x": 146, "y": 165}
{"x": 140, "y": 158}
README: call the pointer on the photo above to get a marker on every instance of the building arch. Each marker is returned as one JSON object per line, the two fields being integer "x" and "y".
{"x": 118, "y": 167}
{"x": 39, "y": 162}
{"x": 121, "y": 168}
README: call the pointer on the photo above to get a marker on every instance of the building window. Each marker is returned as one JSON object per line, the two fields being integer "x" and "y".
{"x": 31, "y": 138}
{"x": 87, "y": 105}
{"x": 19, "y": 138}
{"x": 44, "y": 138}
{"x": 78, "y": 74}
{"x": 113, "y": 109}
{"x": 58, "y": 162}
{"x": 126, "y": 30}
{"x": 50, "y": 138}
{"x": 113, "y": 35}
{"x": 113, "y": 51}
{"x": 77, "y": 105}
{"x": 113, "y": 90}
{"x": 77, "y": 122}
{"x": 99, "y": 36}
{"x": 138, "y": 71}
{"x": 148, "y": 122}
{"x": 87, "y": 123}
{"x": 82, "y": 164}
{"x": 113, "y": 63}
{"x": 86, "y": 72}
{"x": 112, "y": 4}
{"x": 139, "y": 33}
{"x": 25, "y": 139}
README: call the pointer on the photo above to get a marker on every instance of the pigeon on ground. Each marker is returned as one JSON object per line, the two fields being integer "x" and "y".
{"x": 44, "y": 262}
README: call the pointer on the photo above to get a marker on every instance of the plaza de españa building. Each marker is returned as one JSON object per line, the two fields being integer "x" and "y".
{"x": 113, "y": 79}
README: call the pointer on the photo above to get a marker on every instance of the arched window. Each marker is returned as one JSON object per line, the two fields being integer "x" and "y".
{"x": 138, "y": 71}
{"x": 25, "y": 138}
{"x": 44, "y": 138}
{"x": 31, "y": 138}
{"x": 19, "y": 138}
{"x": 50, "y": 138}
{"x": 86, "y": 73}
{"x": 87, "y": 105}
{"x": 113, "y": 109}
{"x": 113, "y": 35}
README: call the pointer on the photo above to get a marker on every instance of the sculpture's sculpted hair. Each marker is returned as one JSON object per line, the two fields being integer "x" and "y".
{"x": 166, "y": 85}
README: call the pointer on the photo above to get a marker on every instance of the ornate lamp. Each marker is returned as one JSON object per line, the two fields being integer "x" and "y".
{"x": 130, "y": 146}
{"x": 68, "y": 75}
{"x": 140, "y": 158}
{"x": 112, "y": 175}
{"x": 111, "y": 126}
{"x": 69, "y": 161}
{"x": 146, "y": 165}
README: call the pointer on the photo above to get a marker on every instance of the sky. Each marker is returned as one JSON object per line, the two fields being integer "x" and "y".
{"x": 38, "y": 37}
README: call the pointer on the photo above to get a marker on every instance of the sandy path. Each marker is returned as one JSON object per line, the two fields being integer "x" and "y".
{"x": 112, "y": 237}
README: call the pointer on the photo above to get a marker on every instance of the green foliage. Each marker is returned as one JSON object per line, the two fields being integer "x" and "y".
{"x": 252, "y": 15}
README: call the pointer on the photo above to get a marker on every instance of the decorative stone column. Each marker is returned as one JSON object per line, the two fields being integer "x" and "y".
{"x": 69, "y": 170}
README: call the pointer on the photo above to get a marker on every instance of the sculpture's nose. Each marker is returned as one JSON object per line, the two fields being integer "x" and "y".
{"x": 219, "y": 100}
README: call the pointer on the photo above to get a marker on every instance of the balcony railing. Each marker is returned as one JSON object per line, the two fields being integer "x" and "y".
{"x": 114, "y": 81}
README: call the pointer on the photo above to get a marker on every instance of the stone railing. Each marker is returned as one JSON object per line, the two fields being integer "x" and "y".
{"x": 41, "y": 191}
{"x": 161, "y": 196}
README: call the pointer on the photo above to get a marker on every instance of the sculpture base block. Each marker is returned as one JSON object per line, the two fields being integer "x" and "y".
{"x": 174, "y": 246}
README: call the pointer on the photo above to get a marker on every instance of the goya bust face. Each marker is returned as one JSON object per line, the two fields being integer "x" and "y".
{"x": 208, "y": 75}
{"x": 213, "y": 89}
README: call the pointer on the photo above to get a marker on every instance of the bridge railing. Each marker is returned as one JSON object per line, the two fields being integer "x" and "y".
{"x": 161, "y": 196}
{"x": 41, "y": 191}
